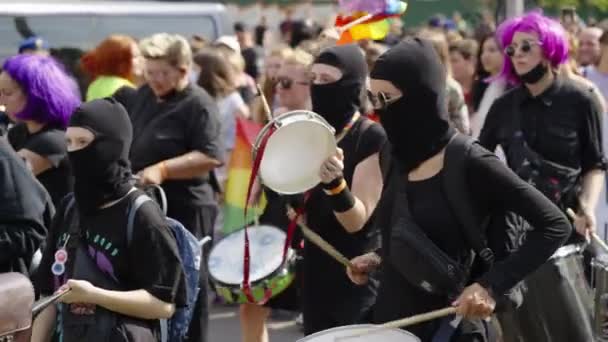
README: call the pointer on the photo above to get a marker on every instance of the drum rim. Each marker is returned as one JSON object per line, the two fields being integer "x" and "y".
{"x": 363, "y": 326}
{"x": 567, "y": 250}
{"x": 289, "y": 260}
{"x": 321, "y": 122}
{"x": 288, "y": 114}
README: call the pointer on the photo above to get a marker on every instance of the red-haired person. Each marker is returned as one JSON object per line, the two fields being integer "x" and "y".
{"x": 113, "y": 64}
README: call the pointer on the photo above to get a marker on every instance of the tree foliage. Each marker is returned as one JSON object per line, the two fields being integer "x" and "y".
{"x": 601, "y": 5}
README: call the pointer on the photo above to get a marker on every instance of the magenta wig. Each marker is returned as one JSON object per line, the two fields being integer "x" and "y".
{"x": 550, "y": 33}
{"x": 52, "y": 96}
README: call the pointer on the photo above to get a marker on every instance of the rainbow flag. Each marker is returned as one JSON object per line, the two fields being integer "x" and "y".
{"x": 239, "y": 173}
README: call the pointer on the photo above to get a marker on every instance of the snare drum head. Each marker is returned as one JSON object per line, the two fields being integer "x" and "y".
{"x": 265, "y": 249}
{"x": 349, "y": 334}
{"x": 295, "y": 152}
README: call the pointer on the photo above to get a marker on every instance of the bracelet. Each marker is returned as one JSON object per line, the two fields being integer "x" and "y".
{"x": 337, "y": 189}
{"x": 334, "y": 183}
{"x": 163, "y": 169}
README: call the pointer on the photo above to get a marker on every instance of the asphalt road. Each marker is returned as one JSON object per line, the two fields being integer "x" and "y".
{"x": 224, "y": 326}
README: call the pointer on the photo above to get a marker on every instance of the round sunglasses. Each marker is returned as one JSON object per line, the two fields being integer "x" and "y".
{"x": 525, "y": 47}
{"x": 286, "y": 83}
{"x": 381, "y": 100}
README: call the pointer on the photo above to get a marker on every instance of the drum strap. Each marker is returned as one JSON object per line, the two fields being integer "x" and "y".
{"x": 246, "y": 255}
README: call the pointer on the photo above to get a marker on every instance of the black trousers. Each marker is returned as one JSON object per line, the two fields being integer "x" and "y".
{"x": 199, "y": 220}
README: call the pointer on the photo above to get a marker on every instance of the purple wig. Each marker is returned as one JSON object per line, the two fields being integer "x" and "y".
{"x": 550, "y": 33}
{"x": 51, "y": 94}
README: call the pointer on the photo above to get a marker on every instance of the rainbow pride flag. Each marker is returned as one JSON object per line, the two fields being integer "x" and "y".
{"x": 239, "y": 172}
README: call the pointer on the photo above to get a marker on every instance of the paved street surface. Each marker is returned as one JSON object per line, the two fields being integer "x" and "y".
{"x": 224, "y": 326}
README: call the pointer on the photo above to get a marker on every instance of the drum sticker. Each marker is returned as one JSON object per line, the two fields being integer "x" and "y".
{"x": 267, "y": 240}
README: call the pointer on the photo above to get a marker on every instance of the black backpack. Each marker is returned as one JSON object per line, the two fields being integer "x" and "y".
{"x": 491, "y": 236}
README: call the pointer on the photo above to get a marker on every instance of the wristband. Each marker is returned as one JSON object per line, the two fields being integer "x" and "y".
{"x": 343, "y": 201}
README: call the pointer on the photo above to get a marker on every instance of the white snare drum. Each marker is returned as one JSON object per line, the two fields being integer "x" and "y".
{"x": 265, "y": 268}
{"x": 294, "y": 153}
{"x": 350, "y": 333}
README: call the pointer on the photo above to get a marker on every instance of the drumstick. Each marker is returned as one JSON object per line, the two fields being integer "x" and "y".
{"x": 43, "y": 303}
{"x": 324, "y": 245}
{"x": 267, "y": 110}
{"x": 404, "y": 322}
{"x": 321, "y": 243}
{"x": 595, "y": 237}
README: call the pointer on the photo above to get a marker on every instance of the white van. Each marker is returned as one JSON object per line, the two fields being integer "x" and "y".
{"x": 81, "y": 25}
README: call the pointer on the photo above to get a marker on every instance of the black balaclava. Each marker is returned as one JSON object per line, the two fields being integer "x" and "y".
{"x": 415, "y": 124}
{"x": 101, "y": 170}
{"x": 337, "y": 102}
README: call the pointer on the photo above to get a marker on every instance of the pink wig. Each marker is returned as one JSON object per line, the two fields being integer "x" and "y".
{"x": 550, "y": 33}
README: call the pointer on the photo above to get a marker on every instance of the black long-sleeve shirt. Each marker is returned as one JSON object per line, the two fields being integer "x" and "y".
{"x": 563, "y": 124}
{"x": 494, "y": 189}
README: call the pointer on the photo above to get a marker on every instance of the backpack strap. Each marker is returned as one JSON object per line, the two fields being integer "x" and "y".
{"x": 164, "y": 330}
{"x": 139, "y": 201}
{"x": 70, "y": 216}
{"x": 457, "y": 193}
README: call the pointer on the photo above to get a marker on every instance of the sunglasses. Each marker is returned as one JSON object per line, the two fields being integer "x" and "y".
{"x": 287, "y": 83}
{"x": 381, "y": 100}
{"x": 525, "y": 47}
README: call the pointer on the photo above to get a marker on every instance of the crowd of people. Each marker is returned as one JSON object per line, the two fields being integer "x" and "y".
{"x": 460, "y": 151}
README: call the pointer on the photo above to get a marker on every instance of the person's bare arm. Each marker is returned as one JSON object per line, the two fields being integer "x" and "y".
{"x": 366, "y": 188}
{"x": 137, "y": 303}
{"x": 42, "y": 328}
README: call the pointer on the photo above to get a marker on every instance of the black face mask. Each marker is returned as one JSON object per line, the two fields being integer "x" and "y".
{"x": 534, "y": 75}
{"x": 337, "y": 102}
{"x": 415, "y": 124}
{"x": 101, "y": 170}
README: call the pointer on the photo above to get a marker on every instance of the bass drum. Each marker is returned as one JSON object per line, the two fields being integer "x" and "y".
{"x": 557, "y": 304}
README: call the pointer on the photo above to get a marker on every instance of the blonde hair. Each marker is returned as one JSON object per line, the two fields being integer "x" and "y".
{"x": 233, "y": 57}
{"x": 281, "y": 50}
{"x": 440, "y": 44}
{"x": 172, "y": 48}
{"x": 299, "y": 57}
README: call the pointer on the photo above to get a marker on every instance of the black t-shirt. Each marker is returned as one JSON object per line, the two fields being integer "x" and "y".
{"x": 493, "y": 189}
{"x": 563, "y": 124}
{"x": 150, "y": 262}
{"x": 324, "y": 276}
{"x": 49, "y": 143}
{"x": 184, "y": 122}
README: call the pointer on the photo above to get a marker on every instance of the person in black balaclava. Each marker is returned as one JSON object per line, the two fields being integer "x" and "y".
{"x": 339, "y": 100}
{"x": 422, "y": 109}
{"x": 101, "y": 170}
{"x": 141, "y": 279}
{"x": 426, "y": 255}
{"x": 340, "y": 208}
